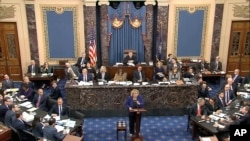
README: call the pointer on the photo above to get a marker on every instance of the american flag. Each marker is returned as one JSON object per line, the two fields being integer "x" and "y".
{"x": 92, "y": 48}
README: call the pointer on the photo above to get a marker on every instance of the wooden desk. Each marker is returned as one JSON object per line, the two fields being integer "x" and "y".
{"x": 5, "y": 134}
{"x": 41, "y": 77}
{"x": 212, "y": 138}
{"x": 149, "y": 71}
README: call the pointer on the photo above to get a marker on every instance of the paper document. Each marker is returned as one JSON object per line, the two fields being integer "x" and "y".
{"x": 32, "y": 109}
{"x": 27, "y": 117}
{"x": 21, "y": 99}
{"x": 70, "y": 123}
{"x": 25, "y": 103}
{"x": 206, "y": 139}
{"x": 59, "y": 128}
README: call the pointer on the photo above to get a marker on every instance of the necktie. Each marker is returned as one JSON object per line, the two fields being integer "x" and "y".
{"x": 227, "y": 96}
{"x": 216, "y": 68}
{"x": 82, "y": 60}
{"x": 223, "y": 104}
{"x": 140, "y": 75}
{"x": 235, "y": 77}
{"x": 199, "y": 111}
{"x": 38, "y": 101}
{"x": 60, "y": 110}
{"x": 32, "y": 69}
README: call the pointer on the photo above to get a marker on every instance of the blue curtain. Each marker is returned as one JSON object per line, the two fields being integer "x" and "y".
{"x": 126, "y": 37}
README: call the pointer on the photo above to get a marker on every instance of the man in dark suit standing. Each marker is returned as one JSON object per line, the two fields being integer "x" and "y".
{"x": 56, "y": 92}
{"x": 85, "y": 76}
{"x": 20, "y": 125}
{"x": 236, "y": 77}
{"x": 59, "y": 109}
{"x": 217, "y": 65}
{"x": 71, "y": 72}
{"x": 82, "y": 61}
{"x": 4, "y": 108}
{"x": 7, "y": 83}
{"x": 40, "y": 100}
{"x": 139, "y": 75}
{"x": 33, "y": 67}
{"x": 50, "y": 132}
{"x": 10, "y": 115}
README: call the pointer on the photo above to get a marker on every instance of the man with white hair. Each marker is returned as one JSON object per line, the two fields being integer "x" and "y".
{"x": 229, "y": 95}
{"x": 217, "y": 65}
{"x": 236, "y": 76}
{"x": 71, "y": 72}
{"x": 33, "y": 67}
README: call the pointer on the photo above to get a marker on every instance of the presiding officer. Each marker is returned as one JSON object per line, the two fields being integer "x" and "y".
{"x": 134, "y": 101}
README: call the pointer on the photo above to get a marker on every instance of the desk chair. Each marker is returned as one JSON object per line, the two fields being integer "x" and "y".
{"x": 15, "y": 136}
{"x": 30, "y": 136}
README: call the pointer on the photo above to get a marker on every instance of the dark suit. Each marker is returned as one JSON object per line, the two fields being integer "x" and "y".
{"x": 38, "y": 130}
{"x": 79, "y": 62}
{"x": 30, "y": 84}
{"x": 43, "y": 102}
{"x": 106, "y": 76}
{"x": 214, "y": 65}
{"x": 237, "y": 79}
{"x": 20, "y": 126}
{"x": 89, "y": 77}
{"x": 188, "y": 75}
{"x": 194, "y": 110}
{"x": 56, "y": 93}
{"x": 7, "y": 85}
{"x": 132, "y": 115}
{"x": 27, "y": 94}
{"x": 212, "y": 108}
{"x": 55, "y": 110}
{"x": 136, "y": 76}
{"x": 202, "y": 66}
{"x": 3, "y": 110}
{"x": 36, "y": 69}
{"x": 128, "y": 58}
{"x": 220, "y": 102}
{"x": 203, "y": 92}
{"x": 245, "y": 119}
{"x": 50, "y": 133}
{"x": 10, "y": 116}
{"x": 230, "y": 96}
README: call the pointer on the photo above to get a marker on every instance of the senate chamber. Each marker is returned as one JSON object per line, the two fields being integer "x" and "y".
{"x": 124, "y": 70}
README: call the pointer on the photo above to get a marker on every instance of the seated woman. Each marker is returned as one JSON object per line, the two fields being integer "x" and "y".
{"x": 159, "y": 72}
{"x": 174, "y": 70}
{"x": 46, "y": 68}
{"x": 91, "y": 70}
{"x": 120, "y": 75}
{"x": 189, "y": 73}
{"x": 130, "y": 59}
{"x": 102, "y": 74}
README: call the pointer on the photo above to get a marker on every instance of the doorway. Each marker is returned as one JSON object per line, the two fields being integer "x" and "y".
{"x": 239, "y": 48}
{"x": 10, "y": 61}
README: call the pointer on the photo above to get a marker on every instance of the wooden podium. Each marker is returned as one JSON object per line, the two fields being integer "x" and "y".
{"x": 137, "y": 127}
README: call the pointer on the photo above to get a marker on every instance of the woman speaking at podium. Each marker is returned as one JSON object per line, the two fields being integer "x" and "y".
{"x": 134, "y": 101}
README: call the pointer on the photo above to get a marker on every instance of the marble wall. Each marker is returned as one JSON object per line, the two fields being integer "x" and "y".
{"x": 31, "y": 20}
{"x": 104, "y": 35}
{"x": 217, "y": 31}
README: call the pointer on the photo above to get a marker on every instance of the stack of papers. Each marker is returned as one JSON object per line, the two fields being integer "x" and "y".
{"x": 136, "y": 84}
{"x": 186, "y": 79}
{"x": 70, "y": 123}
{"x": 173, "y": 82}
{"x": 26, "y": 104}
{"x": 27, "y": 117}
{"x": 25, "y": 99}
{"x": 81, "y": 83}
{"x": 167, "y": 83}
{"x": 59, "y": 128}
{"x": 214, "y": 117}
{"x": 32, "y": 109}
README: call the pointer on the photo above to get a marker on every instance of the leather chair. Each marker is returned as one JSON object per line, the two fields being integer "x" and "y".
{"x": 15, "y": 136}
{"x": 30, "y": 136}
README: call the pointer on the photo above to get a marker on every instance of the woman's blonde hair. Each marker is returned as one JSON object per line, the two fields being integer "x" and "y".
{"x": 134, "y": 91}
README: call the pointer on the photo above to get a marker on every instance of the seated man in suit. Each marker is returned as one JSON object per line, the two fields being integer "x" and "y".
{"x": 71, "y": 72}
{"x": 50, "y": 132}
{"x": 102, "y": 74}
{"x": 245, "y": 119}
{"x": 4, "y": 108}
{"x": 220, "y": 100}
{"x": 59, "y": 109}
{"x": 20, "y": 125}
{"x": 40, "y": 100}
{"x": 55, "y": 91}
{"x": 139, "y": 75}
{"x": 26, "y": 92}
{"x": 26, "y": 80}
{"x": 130, "y": 59}
{"x": 10, "y": 115}
{"x": 202, "y": 66}
{"x": 198, "y": 109}
{"x": 82, "y": 61}
{"x": 7, "y": 83}
{"x": 217, "y": 65}
{"x": 85, "y": 76}
{"x": 33, "y": 67}
{"x": 233, "y": 86}
{"x": 203, "y": 91}
{"x": 189, "y": 73}
{"x": 212, "y": 106}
